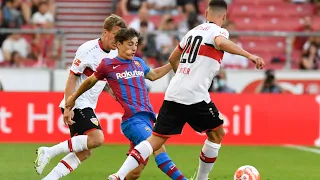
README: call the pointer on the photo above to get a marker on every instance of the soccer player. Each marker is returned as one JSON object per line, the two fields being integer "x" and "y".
{"x": 196, "y": 60}
{"x": 125, "y": 75}
{"x": 85, "y": 129}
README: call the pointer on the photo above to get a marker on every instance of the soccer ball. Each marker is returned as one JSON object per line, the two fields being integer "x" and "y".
{"x": 246, "y": 172}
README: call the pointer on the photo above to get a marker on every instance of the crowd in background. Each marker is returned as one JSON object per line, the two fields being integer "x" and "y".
{"x": 154, "y": 19}
{"x": 18, "y": 49}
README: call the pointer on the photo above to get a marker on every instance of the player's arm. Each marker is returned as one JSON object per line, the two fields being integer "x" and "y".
{"x": 108, "y": 89}
{"x": 174, "y": 58}
{"x": 159, "y": 72}
{"x": 226, "y": 45}
{"x": 70, "y": 85}
{"x": 86, "y": 85}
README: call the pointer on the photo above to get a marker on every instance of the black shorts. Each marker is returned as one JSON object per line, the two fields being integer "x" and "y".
{"x": 85, "y": 119}
{"x": 202, "y": 117}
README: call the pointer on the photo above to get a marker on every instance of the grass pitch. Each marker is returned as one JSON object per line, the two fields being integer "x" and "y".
{"x": 273, "y": 163}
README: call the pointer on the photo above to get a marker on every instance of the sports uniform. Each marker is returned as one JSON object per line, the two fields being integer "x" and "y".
{"x": 126, "y": 79}
{"x": 87, "y": 59}
{"x": 187, "y": 99}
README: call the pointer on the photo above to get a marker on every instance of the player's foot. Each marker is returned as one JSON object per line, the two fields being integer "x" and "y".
{"x": 113, "y": 177}
{"x": 42, "y": 159}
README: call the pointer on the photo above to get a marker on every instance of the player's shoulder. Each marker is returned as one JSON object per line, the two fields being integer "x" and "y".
{"x": 108, "y": 61}
{"x": 88, "y": 46}
{"x": 136, "y": 58}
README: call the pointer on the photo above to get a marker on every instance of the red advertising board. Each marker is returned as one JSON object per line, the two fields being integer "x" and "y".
{"x": 249, "y": 119}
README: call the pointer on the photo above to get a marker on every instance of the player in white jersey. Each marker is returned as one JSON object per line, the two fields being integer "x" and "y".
{"x": 196, "y": 61}
{"x": 85, "y": 129}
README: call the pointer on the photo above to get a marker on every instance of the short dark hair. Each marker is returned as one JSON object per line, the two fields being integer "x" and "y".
{"x": 126, "y": 34}
{"x": 112, "y": 21}
{"x": 218, "y": 4}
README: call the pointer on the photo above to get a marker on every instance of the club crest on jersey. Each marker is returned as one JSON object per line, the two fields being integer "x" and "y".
{"x": 137, "y": 63}
{"x": 94, "y": 121}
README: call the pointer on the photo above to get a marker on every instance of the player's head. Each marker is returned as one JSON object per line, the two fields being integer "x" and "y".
{"x": 216, "y": 11}
{"x": 111, "y": 26}
{"x": 127, "y": 42}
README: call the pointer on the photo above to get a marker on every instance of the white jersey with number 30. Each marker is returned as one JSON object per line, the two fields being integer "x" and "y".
{"x": 199, "y": 63}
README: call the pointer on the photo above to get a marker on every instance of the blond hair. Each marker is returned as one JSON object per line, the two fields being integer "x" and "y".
{"x": 112, "y": 21}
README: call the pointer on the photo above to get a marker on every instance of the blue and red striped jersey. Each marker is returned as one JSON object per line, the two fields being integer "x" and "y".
{"x": 126, "y": 79}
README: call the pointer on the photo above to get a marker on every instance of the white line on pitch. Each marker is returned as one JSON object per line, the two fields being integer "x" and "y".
{"x": 303, "y": 148}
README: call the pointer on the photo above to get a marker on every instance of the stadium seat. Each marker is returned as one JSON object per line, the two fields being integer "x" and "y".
{"x": 273, "y": 10}
{"x": 156, "y": 19}
{"x": 257, "y": 2}
{"x": 266, "y": 23}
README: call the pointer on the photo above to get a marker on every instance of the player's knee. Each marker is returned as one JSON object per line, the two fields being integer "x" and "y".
{"x": 96, "y": 139}
{"x": 161, "y": 150}
{"x": 217, "y": 135}
{"x": 156, "y": 142}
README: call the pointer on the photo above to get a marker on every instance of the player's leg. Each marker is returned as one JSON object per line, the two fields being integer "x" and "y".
{"x": 68, "y": 164}
{"x": 89, "y": 134}
{"x": 166, "y": 165}
{"x": 139, "y": 131}
{"x": 205, "y": 118}
{"x": 86, "y": 134}
{"x": 169, "y": 122}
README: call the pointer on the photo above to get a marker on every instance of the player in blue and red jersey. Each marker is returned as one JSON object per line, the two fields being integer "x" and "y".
{"x": 125, "y": 75}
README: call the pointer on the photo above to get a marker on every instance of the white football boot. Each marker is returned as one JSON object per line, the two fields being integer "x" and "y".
{"x": 42, "y": 159}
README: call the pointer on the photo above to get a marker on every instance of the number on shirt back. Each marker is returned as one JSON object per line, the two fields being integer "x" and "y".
{"x": 195, "y": 46}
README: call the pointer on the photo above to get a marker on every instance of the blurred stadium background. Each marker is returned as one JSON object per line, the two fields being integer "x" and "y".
{"x": 272, "y": 117}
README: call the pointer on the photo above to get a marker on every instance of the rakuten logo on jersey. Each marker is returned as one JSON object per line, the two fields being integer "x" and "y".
{"x": 129, "y": 74}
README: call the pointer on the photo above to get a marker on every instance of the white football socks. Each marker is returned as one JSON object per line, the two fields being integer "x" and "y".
{"x": 69, "y": 163}
{"x": 75, "y": 144}
{"x": 208, "y": 156}
{"x": 140, "y": 153}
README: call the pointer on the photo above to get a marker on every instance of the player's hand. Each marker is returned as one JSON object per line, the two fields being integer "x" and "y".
{"x": 258, "y": 61}
{"x": 68, "y": 116}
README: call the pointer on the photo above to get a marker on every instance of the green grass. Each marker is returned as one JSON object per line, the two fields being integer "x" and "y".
{"x": 274, "y": 163}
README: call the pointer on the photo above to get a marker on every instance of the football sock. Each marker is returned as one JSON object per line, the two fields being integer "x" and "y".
{"x": 208, "y": 156}
{"x": 69, "y": 163}
{"x": 75, "y": 144}
{"x": 137, "y": 156}
{"x": 167, "y": 166}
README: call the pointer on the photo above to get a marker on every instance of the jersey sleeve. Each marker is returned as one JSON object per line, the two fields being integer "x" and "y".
{"x": 101, "y": 71}
{"x": 79, "y": 62}
{"x": 146, "y": 68}
{"x": 221, "y": 32}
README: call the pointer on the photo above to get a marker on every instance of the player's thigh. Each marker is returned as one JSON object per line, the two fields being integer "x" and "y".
{"x": 204, "y": 117}
{"x": 137, "y": 130}
{"x": 170, "y": 120}
{"x": 85, "y": 121}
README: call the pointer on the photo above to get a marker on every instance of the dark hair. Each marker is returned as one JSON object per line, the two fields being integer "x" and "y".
{"x": 218, "y": 4}
{"x": 112, "y": 21}
{"x": 126, "y": 34}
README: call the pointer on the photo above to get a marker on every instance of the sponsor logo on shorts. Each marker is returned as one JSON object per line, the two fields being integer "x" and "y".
{"x": 147, "y": 129}
{"x": 94, "y": 121}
